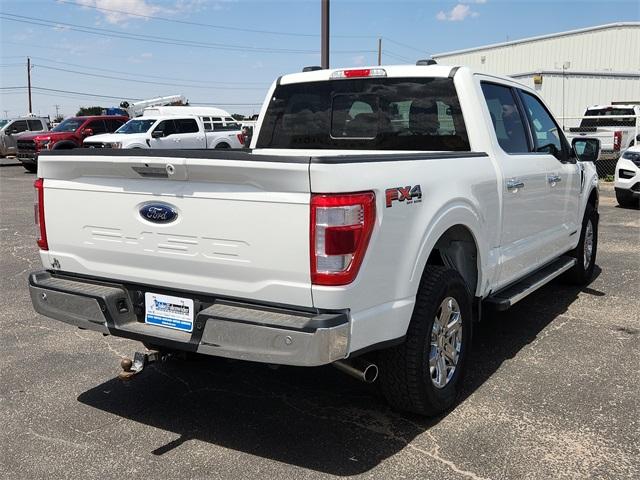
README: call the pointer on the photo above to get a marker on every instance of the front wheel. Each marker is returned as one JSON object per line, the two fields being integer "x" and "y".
{"x": 585, "y": 252}
{"x": 423, "y": 375}
{"x": 625, "y": 198}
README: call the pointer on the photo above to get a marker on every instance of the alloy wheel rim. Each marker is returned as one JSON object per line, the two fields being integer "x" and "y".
{"x": 446, "y": 342}
{"x": 588, "y": 244}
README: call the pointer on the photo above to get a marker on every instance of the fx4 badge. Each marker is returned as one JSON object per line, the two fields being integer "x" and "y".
{"x": 403, "y": 194}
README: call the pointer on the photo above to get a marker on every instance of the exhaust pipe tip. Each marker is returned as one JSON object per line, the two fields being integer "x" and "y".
{"x": 358, "y": 368}
{"x": 370, "y": 373}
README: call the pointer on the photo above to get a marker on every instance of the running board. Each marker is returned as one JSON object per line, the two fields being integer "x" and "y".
{"x": 511, "y": 295}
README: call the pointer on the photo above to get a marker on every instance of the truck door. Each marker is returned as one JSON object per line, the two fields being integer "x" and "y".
{"x": 168, "y": 129}
{"x": 527, "y": 209}
{"x": 563, "y": 174}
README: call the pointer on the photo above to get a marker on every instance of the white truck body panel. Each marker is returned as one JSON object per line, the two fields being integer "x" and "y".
{"x": 243, "y": 228}
{"x": 222, "y": 249}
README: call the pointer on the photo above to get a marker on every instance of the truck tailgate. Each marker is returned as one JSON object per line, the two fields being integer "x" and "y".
{"x": 242, "y": 225}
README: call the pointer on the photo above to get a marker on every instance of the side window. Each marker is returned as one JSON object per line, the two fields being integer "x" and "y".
{"x": 167, "y": 127}
{"x": 208, "y": 125}
{"x": 97, "y": 126}
{"x": 20, "y": 125}
{"x": 546, "y": 135}
{"x": 506, "y": 118}
{"x": 187, "y": 125}
{"x": 35, "y": 125}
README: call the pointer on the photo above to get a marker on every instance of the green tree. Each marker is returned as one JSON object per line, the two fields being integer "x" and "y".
{"x": 84, "y": 111}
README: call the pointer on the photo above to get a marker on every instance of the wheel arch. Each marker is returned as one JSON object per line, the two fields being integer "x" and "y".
{"x": 454, "y": 241}
{"x": 64, "y": 145}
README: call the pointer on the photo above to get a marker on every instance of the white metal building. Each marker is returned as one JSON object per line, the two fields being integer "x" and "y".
{"x": 570, "y": 70}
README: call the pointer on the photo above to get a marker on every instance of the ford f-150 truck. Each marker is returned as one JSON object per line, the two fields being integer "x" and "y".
{"x": 616, "y": 126}
{"x": 172, "y": 131}
{"x": 379, "y": 210}
{"x": 69, "y": 134}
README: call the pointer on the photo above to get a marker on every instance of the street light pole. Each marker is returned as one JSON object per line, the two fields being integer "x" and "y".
{"x": 379, "y": 51}
{"x": 324, "y": 40}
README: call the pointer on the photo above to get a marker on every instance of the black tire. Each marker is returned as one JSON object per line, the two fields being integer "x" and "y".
{"x": 30, "y": 168}
{"x": 625, "y": 199}
{"x": 223, "y": 145}
{"x": 582, "y": 274}
{"x": 405, "y": 375}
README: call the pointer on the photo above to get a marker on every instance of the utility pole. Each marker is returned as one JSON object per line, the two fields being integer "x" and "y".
{"x": 29, "y": 82}
{"x": 57, "y": 107}
{"x": 379, "y": 51}
{"x": 324, "y": 37}
{"x": 6, "y": 113}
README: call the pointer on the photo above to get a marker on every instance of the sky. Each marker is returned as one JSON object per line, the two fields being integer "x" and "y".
{"x": 227, "y": 52}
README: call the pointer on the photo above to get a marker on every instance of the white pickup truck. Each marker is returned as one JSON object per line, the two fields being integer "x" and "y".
{"x": 173, "y": 131}
{"x": 378, "y": 212}
{"x": 616, "y": 126}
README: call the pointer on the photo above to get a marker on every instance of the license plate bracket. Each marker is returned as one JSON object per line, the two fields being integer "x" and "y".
{"x": 168, "y": 311}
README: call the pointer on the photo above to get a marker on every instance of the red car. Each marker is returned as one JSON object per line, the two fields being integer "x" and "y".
{"x": 69, "y": 134}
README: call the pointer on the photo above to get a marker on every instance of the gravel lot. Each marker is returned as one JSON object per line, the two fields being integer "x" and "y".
{"x": 553, "y": 391}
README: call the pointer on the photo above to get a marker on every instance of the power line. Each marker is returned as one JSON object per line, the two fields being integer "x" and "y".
{"x": 146, "y": 75}
{"x": 157, "y": 39}
{"x": 135, "y": 80}
{"x": 96, "y": 95}
{"x": 93, "y": 95}
{"x": 207, "y": 25}
{"x": 395, "y": 55}
{"x": 405, "y": 45}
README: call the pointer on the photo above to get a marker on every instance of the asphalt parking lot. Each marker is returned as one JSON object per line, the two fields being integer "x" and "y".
{"x": 553, "y": 391}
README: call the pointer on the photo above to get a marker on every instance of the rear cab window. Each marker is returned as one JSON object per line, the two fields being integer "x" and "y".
{"x": 419, "y": 114}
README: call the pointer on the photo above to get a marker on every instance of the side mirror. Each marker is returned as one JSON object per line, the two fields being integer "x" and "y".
{"x": 87, "y": 132}
{"x": 586, "y": 149}
{"x": 157, "y": 134}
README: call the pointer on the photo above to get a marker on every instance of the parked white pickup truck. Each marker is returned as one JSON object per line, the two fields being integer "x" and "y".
{"x": 175, "y": 131}
{"x": 614, "y": 125}
{"x": 379, "y": 211}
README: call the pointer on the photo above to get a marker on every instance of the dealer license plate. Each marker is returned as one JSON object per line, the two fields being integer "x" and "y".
{"x": 168, "y": 311}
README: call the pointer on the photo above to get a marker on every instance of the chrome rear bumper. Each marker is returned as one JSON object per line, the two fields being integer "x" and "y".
{"x": 224, "y": 328}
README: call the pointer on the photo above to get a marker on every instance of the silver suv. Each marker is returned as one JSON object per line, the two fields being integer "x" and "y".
{"x": 10, "y": 128}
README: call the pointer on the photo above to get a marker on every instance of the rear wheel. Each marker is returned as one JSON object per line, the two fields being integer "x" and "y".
{"x": 223, "y": 145}
{"x": 585, "y": 252}
{"x": 423, "y": 375}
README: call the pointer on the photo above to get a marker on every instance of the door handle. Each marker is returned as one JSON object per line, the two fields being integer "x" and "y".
{"x": 553, "y": 179}
{"x": 513, "y": 185}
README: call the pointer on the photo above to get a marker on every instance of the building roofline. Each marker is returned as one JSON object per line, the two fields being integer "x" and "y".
{"x": 578, "y": 73}
{"x": 539, "y": 37}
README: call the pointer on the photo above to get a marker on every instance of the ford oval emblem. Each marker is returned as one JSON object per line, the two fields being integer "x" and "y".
{"x": 158, "y": 212}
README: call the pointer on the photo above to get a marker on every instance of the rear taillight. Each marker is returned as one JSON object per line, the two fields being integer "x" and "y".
{"x": 38, "y": 211}
{"x": 240, "y": 138}
{"x": 341, "y": 227}
{"x": 617, "y": 140}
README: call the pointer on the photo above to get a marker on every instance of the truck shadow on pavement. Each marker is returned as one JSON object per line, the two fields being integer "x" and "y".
{"x": 318, "y": 418}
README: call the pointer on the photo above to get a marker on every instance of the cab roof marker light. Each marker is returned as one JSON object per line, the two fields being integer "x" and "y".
{"x": 359, "y": 73}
